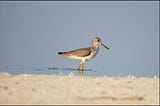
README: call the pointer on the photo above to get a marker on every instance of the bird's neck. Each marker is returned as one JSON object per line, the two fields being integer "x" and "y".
{"x": 95, "y": 45}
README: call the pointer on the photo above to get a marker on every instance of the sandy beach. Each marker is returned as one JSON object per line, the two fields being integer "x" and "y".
{"x": 71, "y": 89}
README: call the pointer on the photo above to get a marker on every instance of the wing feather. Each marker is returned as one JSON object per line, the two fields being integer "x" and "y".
{"x": 82, "y": 52}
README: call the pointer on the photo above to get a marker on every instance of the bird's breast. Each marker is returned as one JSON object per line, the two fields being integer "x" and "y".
{"x": 93, "y": 54}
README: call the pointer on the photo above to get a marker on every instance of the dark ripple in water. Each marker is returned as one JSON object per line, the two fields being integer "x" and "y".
{"x": 44, "y": 70}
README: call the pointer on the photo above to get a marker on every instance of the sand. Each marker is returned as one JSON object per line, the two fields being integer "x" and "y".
{"x": 61, "y": 89}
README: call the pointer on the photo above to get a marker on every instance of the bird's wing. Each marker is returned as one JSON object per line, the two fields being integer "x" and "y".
{"x": 82, "y": 52}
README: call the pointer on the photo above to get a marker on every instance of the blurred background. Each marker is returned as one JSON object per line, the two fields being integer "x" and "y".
{"x": 31, "y": 34}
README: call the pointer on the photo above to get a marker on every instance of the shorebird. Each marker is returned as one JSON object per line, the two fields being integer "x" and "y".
{"x": 84, "y": 54}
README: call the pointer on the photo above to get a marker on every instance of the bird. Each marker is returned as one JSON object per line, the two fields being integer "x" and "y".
{"x": 84, "y": 54}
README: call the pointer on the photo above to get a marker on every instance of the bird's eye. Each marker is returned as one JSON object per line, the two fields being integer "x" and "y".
{"x": 98, "y": 40}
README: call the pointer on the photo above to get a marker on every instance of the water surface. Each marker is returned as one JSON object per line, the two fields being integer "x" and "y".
{"x": 45, "y": 70}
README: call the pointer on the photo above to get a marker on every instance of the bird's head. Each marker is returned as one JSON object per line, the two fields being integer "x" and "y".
{"x": 97, "y": 41}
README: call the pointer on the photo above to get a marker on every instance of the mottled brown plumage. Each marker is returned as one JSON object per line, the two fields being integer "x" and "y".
{"x": 84, "y": 54}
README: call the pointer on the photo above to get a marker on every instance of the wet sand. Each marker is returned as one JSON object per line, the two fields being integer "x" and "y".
{"x": 60, "y": 89}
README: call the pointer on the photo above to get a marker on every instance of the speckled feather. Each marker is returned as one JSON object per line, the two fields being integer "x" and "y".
{"x": 82, "y": 52}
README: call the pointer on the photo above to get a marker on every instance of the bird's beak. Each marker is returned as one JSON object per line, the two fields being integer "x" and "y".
{"x": 104, "y": 46}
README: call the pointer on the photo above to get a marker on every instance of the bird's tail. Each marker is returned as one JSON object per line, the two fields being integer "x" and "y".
{"x": 60, "y": 53}
{"x": 63, "y": 53}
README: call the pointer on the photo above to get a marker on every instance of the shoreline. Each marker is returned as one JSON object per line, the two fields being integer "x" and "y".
{"x": 71, "y": 89}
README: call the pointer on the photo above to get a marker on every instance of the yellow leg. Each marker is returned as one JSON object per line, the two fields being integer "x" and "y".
{"x": 82, "y": 69}
{"x": 79, "y": 71}
{"x": 79, "y": 67}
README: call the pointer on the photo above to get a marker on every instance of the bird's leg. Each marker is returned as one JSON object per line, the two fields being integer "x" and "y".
{"x": 82, "y": 69}
{"x": 79, "y": 68}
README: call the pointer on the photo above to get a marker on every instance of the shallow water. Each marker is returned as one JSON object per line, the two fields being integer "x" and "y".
{"x": 46, "y": 70}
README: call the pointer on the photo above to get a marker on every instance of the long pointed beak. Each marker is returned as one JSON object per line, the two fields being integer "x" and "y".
{"x": 104, "y": 46}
